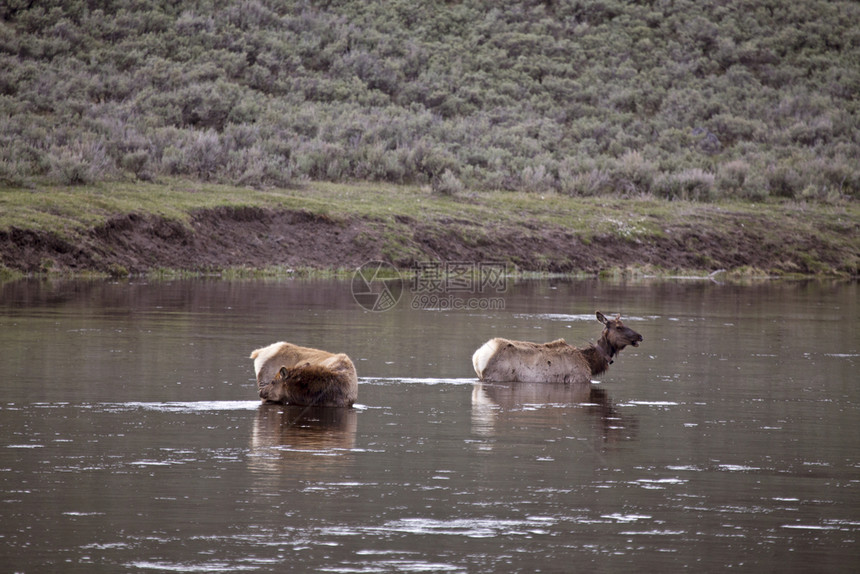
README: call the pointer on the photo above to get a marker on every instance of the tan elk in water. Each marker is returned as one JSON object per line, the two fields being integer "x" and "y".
{"x": 287, "y": 373}
{"x": 502, "y": 360}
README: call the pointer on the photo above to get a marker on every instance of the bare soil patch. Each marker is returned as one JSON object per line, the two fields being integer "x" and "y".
{"x": 259, "y": 237}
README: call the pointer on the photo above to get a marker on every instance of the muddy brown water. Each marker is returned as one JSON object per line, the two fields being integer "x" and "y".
{"x": 131, "y": 439}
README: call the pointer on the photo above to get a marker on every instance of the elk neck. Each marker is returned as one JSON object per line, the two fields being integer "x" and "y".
{"x": 599, "y": 356}
{"x": 608, "y": 350}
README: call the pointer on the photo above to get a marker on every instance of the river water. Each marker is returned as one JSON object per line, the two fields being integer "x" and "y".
{"x": 131, "y": 439}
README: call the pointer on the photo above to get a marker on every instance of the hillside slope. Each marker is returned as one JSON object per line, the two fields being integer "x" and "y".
{"x": 682, "y": 99}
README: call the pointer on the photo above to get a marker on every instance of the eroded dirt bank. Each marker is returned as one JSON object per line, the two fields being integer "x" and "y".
{"x": 261, "y": 238}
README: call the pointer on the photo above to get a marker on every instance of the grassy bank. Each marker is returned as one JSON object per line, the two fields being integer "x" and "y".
{"x": 186, "y": 225}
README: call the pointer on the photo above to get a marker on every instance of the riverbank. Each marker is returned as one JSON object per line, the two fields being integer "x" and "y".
{"x": 141, "y": 228}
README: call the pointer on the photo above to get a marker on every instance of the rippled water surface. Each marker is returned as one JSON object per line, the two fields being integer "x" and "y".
{"x": 131, "y": 438}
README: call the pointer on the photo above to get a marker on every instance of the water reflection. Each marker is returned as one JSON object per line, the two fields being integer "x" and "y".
{"x": 513, "y": 404}
{"x": 294, "y": 439}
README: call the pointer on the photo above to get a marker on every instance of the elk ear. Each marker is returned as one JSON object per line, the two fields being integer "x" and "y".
{"x": 601, "y": 318}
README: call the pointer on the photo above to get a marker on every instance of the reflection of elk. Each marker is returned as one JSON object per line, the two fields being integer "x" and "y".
{"x": 301, "y": 438}
{"x": 515, "y": 403}
{"x": 555, "y": 362}
{"x": 287, "y": 373}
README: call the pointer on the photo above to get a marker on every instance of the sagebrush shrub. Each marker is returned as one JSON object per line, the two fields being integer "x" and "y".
{"x": 614, "y": 98}
{"x": 447, "y": 183}
{"x": 692, "y": 184}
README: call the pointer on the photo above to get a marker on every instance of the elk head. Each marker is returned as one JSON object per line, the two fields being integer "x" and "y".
{"x": 617, "y": 335}
{"x": 275, "y": 390}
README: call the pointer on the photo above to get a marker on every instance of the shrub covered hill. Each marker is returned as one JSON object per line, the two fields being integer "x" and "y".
{"x": 696, "y": 99}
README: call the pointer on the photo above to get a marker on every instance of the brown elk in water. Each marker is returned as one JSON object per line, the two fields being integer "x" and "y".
{"x": 502, "y": 360}
{"x": 287, "y": 373}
